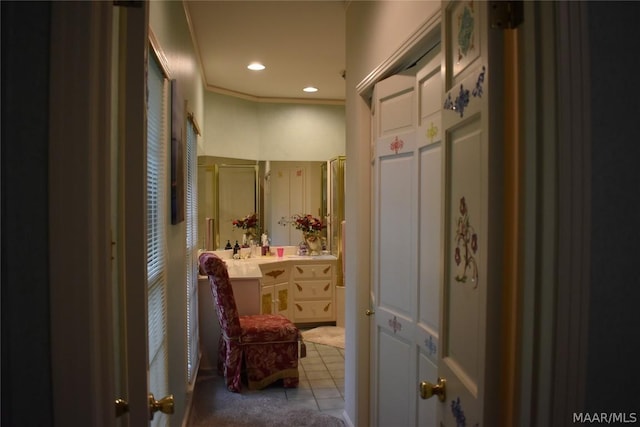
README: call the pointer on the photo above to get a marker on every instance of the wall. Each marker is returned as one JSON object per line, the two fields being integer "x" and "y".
{"x": 26, "y": 354}
{"x": 244, "y": 129}
{"x": 373, "y": 34}
{"x": 614, "y": 293}
{"x": 168, "y": 23}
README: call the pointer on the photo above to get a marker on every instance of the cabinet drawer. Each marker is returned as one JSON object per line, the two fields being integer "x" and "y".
{"x": 312, "y": 271}
{"x": 274, "y": 274}
{"x": 312, "y": 311}
{"x": 315, "y": 289}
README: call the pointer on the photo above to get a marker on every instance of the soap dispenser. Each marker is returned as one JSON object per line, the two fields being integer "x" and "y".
{"x": 236, "y": 248}
{"x": 228, "y": 245}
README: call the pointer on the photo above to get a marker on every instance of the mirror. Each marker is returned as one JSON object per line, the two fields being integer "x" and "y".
{"x": 238, "y": 195}
{"x": 231, "y": 189}
{"x": 291, "y": 188}
{"x": 227, "y": 189}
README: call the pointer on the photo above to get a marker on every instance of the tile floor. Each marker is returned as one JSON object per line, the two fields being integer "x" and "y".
{"x": 321, "y": 381}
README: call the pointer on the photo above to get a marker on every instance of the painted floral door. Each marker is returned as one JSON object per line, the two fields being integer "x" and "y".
{"x": 473, "y": 216}
{"x": 407, "y": 173}
{"x": 436, "y": 232}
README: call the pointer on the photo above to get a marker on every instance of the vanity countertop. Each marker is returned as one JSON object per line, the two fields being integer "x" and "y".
{"x": 249, "y": 268}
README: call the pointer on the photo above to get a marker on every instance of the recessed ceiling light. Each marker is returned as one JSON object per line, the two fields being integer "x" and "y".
{"x": 256, "y": 66}
{"x": 310, "y": 89}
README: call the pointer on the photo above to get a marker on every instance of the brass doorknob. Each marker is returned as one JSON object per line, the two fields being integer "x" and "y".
{"x": 428, "y": 390}
{"x": 369, "y": 312}
{"x": 122, "y": 407}
{"x": 164, "y": 405}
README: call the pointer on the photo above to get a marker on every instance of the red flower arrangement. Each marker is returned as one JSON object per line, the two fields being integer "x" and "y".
{"x": 249, "y": 221}
{"x": 308, "y": 224}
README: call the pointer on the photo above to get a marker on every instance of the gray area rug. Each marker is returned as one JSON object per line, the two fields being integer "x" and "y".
{"x": 222, "y": 408}
{"x": 328, "y": 335}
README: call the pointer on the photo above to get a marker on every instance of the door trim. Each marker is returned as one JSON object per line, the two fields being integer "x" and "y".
{"x": 513, "y": 232}
{"x": 574, "y": 210}
{"x": 133, "y": 134}
{"x": 420, "y": 42}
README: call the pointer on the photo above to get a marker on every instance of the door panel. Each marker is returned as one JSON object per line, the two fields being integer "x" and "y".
{"x": 288, "y": 194}
{"x": 394, "y": 288}
{"x": 407, "y": 171}
{"x": 280, "y": 212}
{"x": 437, "y": 229}
{"x": 462, "y": 301}
{"x": 395, "y": 404}
{"x": 297, "y": 196}
{"x": 430, "y": 230}
{"x": 473, "y": 216}
{"x": 396, "y": 242}
{"x": 427, "y": 337}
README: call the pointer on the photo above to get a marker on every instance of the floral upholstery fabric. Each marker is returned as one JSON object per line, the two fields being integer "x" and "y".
{"x": 266, "y": 343}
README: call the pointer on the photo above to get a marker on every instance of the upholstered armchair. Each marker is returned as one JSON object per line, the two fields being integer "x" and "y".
{"x": 265, "y": 344}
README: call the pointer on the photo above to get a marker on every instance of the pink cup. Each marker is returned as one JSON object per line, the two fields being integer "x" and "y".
{"x": 280, "y": 252}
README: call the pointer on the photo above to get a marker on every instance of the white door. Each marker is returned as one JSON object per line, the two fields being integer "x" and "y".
{"x": 434, "y": 175}
{"x": 132, "y": 303}
{"x": 407, "y": 241}
{"x": 140, "y": 308}
{"x": 473, "y": 215}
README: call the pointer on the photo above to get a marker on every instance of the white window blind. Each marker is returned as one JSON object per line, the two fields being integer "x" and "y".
{"x": 157, "y": 133}
{"x": 193, "y": 347}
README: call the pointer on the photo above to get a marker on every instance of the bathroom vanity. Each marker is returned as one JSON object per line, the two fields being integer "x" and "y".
{"x": 302, "y": 288}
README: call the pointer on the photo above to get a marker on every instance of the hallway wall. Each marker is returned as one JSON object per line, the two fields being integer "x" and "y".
{"x": 245, "y": 129}
{"x": 26, "y": 354}
{"x": 615, "y": 236}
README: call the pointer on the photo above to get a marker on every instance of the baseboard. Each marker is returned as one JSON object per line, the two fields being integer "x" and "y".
{"x": 346, "y": 419}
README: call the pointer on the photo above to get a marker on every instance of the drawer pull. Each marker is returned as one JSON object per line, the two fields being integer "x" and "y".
{"x": 326, "y": 288}
{"x": 300, "y": 270}
{"x": 274, "y": 273}
{"x": 299, "y": 287}
{"x": 326, "y": 270}
{"x": 299, "y": 307}
{"x": 327, "y": 307}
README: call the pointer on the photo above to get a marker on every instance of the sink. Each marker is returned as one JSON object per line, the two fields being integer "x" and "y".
{"x": 327, "y": 256}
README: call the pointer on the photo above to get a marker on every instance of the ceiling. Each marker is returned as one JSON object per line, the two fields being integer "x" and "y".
{"x": 301, "y": 43}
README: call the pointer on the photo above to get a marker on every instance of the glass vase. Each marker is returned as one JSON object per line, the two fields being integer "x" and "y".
{"x": 314, "y": 243}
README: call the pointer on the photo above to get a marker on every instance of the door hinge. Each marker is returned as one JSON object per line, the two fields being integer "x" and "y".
{"x": 506, "y": 14}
